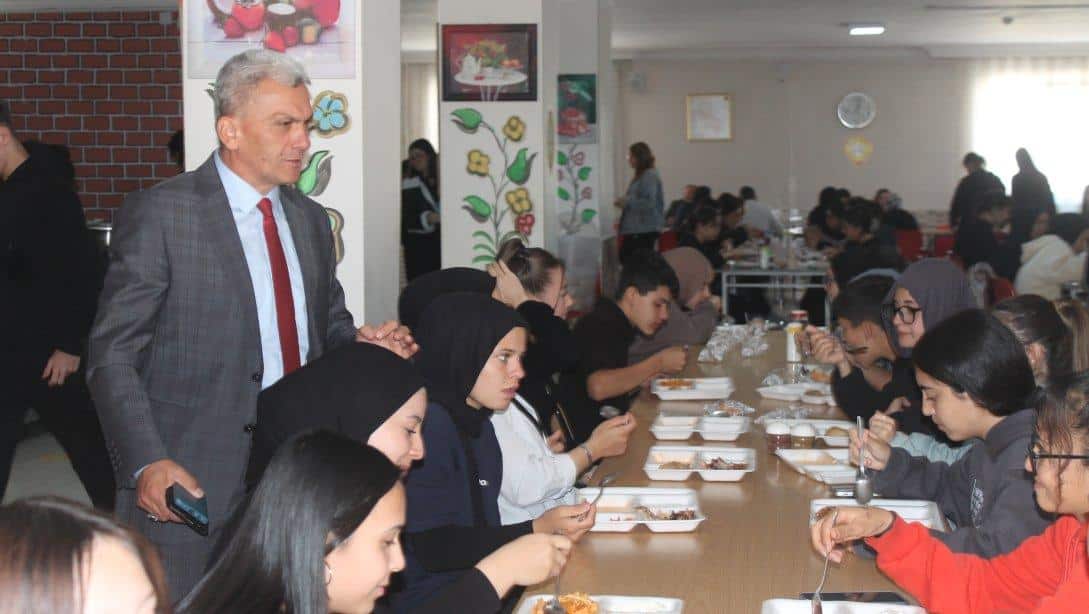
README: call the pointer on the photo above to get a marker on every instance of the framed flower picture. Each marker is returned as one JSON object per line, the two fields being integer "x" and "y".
{"x": 709, "y": 117}
{"x": 489, "y": 62}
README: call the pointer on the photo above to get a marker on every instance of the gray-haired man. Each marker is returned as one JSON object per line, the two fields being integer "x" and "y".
{"x": 221, "y": 281}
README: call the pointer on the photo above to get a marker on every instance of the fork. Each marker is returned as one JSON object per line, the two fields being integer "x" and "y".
{"x": 605, "y": 481}
{"x": 554, "y": 606}
{"x": 815, "y": 602}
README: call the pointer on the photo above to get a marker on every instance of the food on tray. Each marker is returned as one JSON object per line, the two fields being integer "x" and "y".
{"x": 676, "y": 384}
{"x": 813, "y": 396}
{"x": 725, "y": 408}
{"x": 720, "y": 464}
{"x": 675, "y": 465}
{"x": 821, "y": 376}
{"x": 836, "y": 431}
{"x": 649, "y": 514}
{"x": 802, "y": 435}
{"x": 573, "y": 603}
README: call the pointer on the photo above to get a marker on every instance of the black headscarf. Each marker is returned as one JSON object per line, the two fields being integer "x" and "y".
{"x": 418, "y": 295}
{"x": 457, "y": 334}
{"x": 351, "y": 390}
{"x": 940, "y": 289}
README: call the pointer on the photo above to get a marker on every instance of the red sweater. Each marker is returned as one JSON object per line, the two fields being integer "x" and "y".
{"x": 1047, "y": 573}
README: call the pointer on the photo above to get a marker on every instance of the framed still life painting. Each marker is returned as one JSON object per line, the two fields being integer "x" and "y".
{"x": 489, "y": 62}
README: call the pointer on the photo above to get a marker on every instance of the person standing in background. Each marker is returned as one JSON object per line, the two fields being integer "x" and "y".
{"x": 48, "y": 287}
{"x": 420, "y": 213}
{"x": 221, "y": 281}
{"x": 1029, "y": 188}
{"x": 643, "y": 207}
{"x": 972, "y": 188}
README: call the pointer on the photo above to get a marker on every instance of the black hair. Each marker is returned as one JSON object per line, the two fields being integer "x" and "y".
{"x": 646, "y": 271}
{"x": 1024, "y": 160}
{"x": 844, "y": 194}
{"x": 972, "y": 158}
{"x": 879, "y": 192}
{"x": 1034, "y": 319}
{"x": 747, "y": 193}
{"x": 531, "y": 265}
{"x": 318, "y": 488}
{"x": 176, "y": 146}
{"x": 701, "y": 193}
{"x": 861, "y": 300}
{"x": 828, "y": 196}
{"x": 993, "y": 199}
{"x": 728, "y": 203}
{"x": 5, "y": 115}
{"x": 425, "y": 146}
{"x": 1068, "y": 226}
{"x": 973, "y": 353}
{"x": 862, "y": 214}
{"x": 704, "y": 215}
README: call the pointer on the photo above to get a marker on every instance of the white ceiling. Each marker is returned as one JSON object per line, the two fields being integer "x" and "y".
{"x": 792, "y": 29}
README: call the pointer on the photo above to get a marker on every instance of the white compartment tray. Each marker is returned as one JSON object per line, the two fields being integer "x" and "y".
{"x": 802, "y": 606}
{"x": 811, "y": 393}
{"x": 679, "y": 428}
{"x": 617, "y": 604}
{"x": 696, "y": 455}
{"x": 699, "y": 388}
{"x": 616, "y": 511}
{"x": 829, "y": 466}
{"x": 911, "y": 510}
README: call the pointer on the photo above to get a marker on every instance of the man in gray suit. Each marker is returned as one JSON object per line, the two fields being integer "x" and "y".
{"x": 221, "y": 281}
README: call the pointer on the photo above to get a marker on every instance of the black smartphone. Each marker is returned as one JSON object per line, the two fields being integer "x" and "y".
{"x": 192, "y": 511}
{"x": 862, "y": 597}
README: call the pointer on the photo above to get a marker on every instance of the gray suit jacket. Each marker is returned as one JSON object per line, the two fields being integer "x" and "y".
{"x": 174, "y": 362}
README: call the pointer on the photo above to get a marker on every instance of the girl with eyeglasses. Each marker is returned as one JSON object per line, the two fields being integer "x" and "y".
{"x": 1048, "y": 573}
{"x": 977, "y": 383}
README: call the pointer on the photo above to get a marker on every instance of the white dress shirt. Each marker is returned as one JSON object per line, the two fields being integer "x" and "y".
{"x": 535, "y": 479}
{"x": 250, "y": 222}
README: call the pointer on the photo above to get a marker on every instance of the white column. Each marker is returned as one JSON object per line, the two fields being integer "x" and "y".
{"x": 481, "y": 203}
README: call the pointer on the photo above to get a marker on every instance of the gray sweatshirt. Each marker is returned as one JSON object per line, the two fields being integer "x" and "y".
{"x": 987, "y": 493}
{"x": 644, "y": 205}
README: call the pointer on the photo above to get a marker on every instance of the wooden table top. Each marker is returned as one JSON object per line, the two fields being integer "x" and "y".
{"x": 754, "y": 544}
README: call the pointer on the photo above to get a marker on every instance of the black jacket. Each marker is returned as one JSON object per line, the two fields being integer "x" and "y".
{"x": 1031, "y": 191}
{"x": 970, "y": 192}
{"x": 857, "y": 258}
{"x": 857, "y": 398}
{"x": 975, "y": 242}
{"x": 49, "y": 273}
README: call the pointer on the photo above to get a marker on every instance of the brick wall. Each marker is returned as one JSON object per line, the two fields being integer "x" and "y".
{"x": 107, "y": 84}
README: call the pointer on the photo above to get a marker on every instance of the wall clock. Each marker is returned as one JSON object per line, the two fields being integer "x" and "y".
{"x": 856, "y": 110}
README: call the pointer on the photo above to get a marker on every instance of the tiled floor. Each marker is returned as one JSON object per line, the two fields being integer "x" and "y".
{"x": 42, "y": 468}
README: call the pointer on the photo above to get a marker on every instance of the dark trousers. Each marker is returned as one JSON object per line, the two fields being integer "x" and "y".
{"x": 66, "y": 411}
{"x": 636, "y": 242}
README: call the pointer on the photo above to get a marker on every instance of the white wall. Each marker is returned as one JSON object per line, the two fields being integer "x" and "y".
{"x": 788, "y": 143}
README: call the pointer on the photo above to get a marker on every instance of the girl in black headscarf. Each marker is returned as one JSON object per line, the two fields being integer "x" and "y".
{"x": 360, "y": 390}
{"x": 419, "y": 293}
{"x": 471, "y": 357}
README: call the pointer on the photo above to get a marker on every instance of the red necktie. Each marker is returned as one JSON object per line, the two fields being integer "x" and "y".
{"x": 281, "y": 285}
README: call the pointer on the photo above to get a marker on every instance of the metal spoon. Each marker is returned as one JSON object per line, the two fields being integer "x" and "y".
{"x": 815, "y": 602}
{"x": 863, "y": 485}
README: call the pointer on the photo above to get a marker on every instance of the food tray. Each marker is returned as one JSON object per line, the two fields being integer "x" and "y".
{"x": 680, "y": 428}
{"x": 617, "y": 604}
{"x": 815, "y": 465}
{"x": 804, "y": 606}
{"x": 616, "y": 509}
{"x": 911, "y": 510}
{"x": 700, "y": 388}
{"x": 822, "y": 426}
{"x": 809, "y": 393}
{"x": 698, "y": 454}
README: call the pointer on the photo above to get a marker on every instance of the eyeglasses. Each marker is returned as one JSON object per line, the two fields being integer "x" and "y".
{"x": 847, "y": 347}
{"x": 905, "y": 312}
{"x": 1034, "y": 455}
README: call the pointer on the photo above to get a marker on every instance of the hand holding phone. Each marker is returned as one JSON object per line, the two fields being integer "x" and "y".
{"x": 192, "y": 511}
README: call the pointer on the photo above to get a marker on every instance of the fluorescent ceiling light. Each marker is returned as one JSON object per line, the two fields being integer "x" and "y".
{"x": 871, "y": 29}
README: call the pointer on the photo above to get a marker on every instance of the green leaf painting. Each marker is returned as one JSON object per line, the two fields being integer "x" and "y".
{"x": 500, "y": 184}
{"x": 588, "y": 215}
{"x": 315, "y": 177}
{"x": 563, "y": 194}
{"x": 573, "y": 174}
{"x": 584, "y": 173}
{"x": 561, "y": 158}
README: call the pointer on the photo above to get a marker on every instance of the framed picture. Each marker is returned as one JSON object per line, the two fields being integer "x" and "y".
{"x": 709, "y": 117}
{"x": 489, "y": 62}
{"x": 577, "y": 106}
{"x": 318, "y": 33}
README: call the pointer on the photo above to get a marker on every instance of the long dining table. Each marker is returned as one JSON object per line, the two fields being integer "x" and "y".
{"x": 754, "y": 544}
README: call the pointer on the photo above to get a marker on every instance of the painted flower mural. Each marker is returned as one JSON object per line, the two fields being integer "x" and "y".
{"x": 331, "y": 114}
{"x": 506, "y": 183}
{"x": 572, "y": 174}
